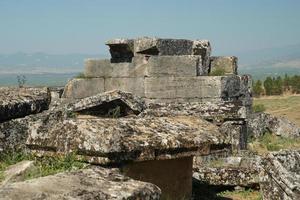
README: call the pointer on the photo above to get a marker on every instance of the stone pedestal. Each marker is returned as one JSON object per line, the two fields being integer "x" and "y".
{"x": 173, "y": 177}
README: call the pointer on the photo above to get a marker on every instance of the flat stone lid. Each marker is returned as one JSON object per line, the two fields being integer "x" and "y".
{"x": 108, "y": 140}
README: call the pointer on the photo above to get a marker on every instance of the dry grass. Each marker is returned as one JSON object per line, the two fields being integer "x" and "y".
{"x": 287, "y": 106}
{"x": 243, "y": 195}
{"x": 270, "y": 142}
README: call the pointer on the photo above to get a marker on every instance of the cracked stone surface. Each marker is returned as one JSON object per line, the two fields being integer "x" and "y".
{"x": 94, "y": 183}
{"x": 19, "y": 102}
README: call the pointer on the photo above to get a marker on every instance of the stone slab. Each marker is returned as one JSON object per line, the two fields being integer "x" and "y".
{"x": 166, "y": 66}
{"x": 20, "y": 102}
{"x": 121, "y": 50}
{"x": 102, "y": 140}
{"x": 280, "y": 175}
{"x": 80, "y": 88}
{"x": 158, "y": 46}
{"x": 94, "y": 183}
{"x": 201, "y": 87}
{"x": 106, "y": 69}
{"x": 217, "y": 112}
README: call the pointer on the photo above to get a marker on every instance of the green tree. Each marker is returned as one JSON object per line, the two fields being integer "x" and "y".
{"x": 268, "y": 85}
{"x": 286, "y": 83}
{"x": 277, "y": 86}
{"x": 257, "y": 88}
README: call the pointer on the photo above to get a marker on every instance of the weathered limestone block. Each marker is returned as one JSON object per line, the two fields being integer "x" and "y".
{"x": 95, "y": 183}
{"x": 229, "y": 171}
{"x": 158, "y": 46}
{"x": 246, "y": 90}
{"x": 217, "y": 112}
{"x": 226, "y": 64}
{"x": 198, "y": 88}
{"x": 133, "y": 85}
{"x": 173, "y": 177}
{"x": 106, "y": 69}
{"x": 280, "y": 175}
{"x": 141, "y": 66}
{"x": 121, "y": 141}
{"x": 228, "y": 176}
{"x": 203, "y": 48}
{"x": 83, "y": 87}
{"x": 260, "y": 123}
{"x": 127, "y": 103}
{"x": 114, "y": 140}
{"x": 121, "y": 50}
{"x": 19, "y": 102}
{"x": 56, "y": 92}
{"x": 166, "y": 66}
{"x": 236, "y": 133}
{"x": 13, "y": 134}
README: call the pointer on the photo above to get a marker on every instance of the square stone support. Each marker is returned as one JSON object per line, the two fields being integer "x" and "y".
{"x": 173, "y": 177}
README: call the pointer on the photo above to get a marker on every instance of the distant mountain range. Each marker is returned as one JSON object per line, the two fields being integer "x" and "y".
{"x": 271, "y": 62}
{"x": 37, "y": 63}
{"x": 258, "y": 63}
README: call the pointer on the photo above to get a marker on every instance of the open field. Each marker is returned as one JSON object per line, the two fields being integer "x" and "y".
{"x": 287, "y": 106}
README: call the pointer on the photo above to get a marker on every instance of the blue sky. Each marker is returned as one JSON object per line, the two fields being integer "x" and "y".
{"x": 78, "y": 26}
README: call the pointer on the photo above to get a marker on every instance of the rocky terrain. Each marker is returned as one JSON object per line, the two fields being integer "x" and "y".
{"x": 162, "y": 119}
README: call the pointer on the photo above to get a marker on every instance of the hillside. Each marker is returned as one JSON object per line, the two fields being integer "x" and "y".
{"x": 287, "y": 106}
{"x": 270, "y": 62}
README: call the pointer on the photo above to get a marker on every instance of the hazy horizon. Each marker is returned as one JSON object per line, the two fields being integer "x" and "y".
{"x": 74, "y": 26}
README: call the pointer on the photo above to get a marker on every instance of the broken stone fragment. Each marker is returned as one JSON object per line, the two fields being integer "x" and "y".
{"x": 158, "y": 46}
{"x": 280, "y": 175}
{"x": 102, "y": 103}
{"x": 79, "y": 88}
{"x": 19, "y": 102}
{"x": 202, "y": 48}
{"x": 260, "y": 123}
{"x": 228, "y": 176}
{"x": 121, "y": 50}
{"x": 230, "y": 171}
{"x": 236, "y": 132}
{"x": 223, "y": 64}
{"x": 94, "y": 183}
{"x": 18, "y": 172}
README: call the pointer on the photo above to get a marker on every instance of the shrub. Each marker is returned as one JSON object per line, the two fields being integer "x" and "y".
{"x": 21, "y": 80}
{"x": 258, "y": 108}
{"x": 81, "y": 75}
{"x": 220, "y": 71}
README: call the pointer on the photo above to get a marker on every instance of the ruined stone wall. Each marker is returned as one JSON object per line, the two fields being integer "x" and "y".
{"x": 161, "y": 70}
{"x": 174, "y": 76}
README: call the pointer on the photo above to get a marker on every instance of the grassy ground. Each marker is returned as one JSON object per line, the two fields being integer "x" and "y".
{"x": 44, "y": 165}
{"x": 287, "y": 106}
